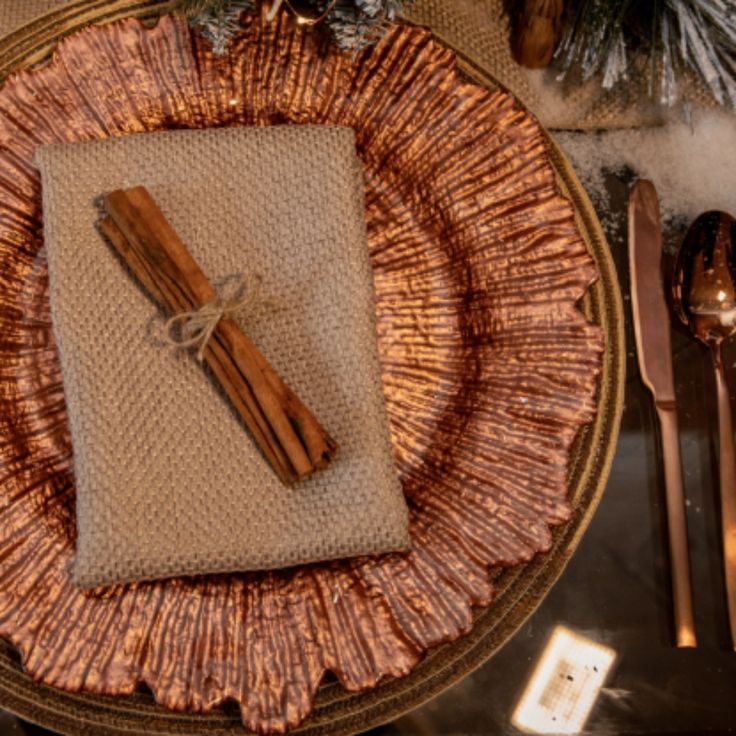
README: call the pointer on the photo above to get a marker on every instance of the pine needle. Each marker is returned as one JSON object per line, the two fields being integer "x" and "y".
{"x": 607, "y": 37}
{"x": 216, "y": 20}
{"x": 353, "y": 24}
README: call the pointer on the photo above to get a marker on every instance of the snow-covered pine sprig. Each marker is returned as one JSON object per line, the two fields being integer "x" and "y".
{"x": 610, "y": 38}
{"x": 357, "y": 23}
{"x": 217, "y": 20}
{"x": 352, "y": 23}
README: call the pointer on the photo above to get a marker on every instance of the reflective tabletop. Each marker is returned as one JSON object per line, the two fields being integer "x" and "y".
{"x": 612, "y": 604}
{"x": 615, "y": 590}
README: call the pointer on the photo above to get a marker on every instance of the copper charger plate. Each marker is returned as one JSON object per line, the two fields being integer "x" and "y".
{"x": 500, "y": 333}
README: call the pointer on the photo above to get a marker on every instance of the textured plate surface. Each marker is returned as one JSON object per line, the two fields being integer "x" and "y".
{"x": 489, "y": 367}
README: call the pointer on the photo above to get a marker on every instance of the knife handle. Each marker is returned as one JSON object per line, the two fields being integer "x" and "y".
{"x": 677, "y": 527}
{"x": 727, "y": 464}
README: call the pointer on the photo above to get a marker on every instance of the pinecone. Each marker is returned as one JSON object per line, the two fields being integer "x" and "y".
{"x": 537, "y": 33}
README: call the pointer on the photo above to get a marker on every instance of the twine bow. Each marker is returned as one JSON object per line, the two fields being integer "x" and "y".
{"x": 197, "y": 326}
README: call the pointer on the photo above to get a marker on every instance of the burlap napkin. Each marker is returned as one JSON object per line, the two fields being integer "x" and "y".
{"x": 168, "y": 481}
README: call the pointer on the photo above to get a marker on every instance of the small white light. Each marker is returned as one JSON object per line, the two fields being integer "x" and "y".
{"x": 233, "y": 102}
{"x": 301, "y": 20}
{"x": 721, "y": 296}
{"x": 564, "y": 685}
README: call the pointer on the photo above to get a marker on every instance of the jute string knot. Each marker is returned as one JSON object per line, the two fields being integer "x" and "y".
{"x": 196, "y": 327}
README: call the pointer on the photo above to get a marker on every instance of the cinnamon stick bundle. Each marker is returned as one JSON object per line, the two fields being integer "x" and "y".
{"x": 290, "y": 437}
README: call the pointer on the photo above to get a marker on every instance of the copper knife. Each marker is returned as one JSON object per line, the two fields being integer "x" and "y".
{"x": 654, "y": 348}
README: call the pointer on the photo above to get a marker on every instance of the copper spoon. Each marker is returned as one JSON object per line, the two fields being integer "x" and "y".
{"x": 704, "y": 295}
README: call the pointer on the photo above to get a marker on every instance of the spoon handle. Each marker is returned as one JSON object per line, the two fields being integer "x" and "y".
{"x": 727, "y": 463}
{"x": 677, "y": 527}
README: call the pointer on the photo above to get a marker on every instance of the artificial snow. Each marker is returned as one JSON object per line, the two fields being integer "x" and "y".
{"x": 693, "y": 166}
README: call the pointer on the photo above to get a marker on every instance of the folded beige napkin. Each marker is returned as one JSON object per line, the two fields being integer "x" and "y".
{"x": 168, "y": 480}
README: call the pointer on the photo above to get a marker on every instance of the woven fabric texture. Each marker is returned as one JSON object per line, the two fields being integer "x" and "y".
{"x": 168, "y": 481}
{"x": 15, "y": 13}
{"x": 480, "y": 30}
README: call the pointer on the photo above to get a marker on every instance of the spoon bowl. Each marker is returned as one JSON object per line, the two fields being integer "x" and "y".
{"x": 704, "y": 287}
{"x": 704, "y": 298}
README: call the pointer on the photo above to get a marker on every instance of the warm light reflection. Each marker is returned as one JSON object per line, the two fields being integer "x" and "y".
{"x": 564, "y": 685}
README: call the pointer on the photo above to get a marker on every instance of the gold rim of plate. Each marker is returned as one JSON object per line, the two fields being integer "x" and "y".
{"x": 519, "y": 591}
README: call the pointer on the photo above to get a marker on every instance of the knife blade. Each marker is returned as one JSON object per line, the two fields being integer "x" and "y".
{"x": 651, "y": 315}
{"x": 654, "y": 351}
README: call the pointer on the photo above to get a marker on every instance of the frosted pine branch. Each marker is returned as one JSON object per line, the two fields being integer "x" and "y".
{"x": 608, "y": 37}
{"x": 352, "y": 23}
{"x": 217, "y": 20}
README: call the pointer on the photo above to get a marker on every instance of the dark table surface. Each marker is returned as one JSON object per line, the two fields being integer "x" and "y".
{"x": 615, "y": 590}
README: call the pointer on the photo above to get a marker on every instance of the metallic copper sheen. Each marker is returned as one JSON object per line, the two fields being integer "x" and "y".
{"x": 654, "y": 349}
{"x": 489, "y": 368}
{"x": 704, "y": 291}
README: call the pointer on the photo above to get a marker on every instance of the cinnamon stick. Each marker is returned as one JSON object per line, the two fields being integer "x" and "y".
{"x": 215, "y": 356}
{"x": 291, "y": 439}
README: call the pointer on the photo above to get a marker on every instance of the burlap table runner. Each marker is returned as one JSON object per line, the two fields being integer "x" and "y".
{"x": 15, "y": 13}
{"x": 168, "y": 481}
{"x": 480, "y": 30}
